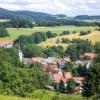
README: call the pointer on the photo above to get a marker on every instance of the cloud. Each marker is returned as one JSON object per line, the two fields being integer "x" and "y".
{"x": 68, "y": 7}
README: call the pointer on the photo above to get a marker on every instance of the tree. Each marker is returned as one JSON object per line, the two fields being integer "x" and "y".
{"x": 81, "y": 70}
{"x": 72, "y": 51}
{"x": 3, "y": 32}
{"x": 74, "y": 32}
{"x": 32, "y": 50}
{"x": 64, "y": 33}
{"x": 18, "y": 80}
{"x": 71, "y": 86}
{"x": 92, "y": 81}
{"x": 62, "y": 86}
{"x": 97, "y": 47}
{"x": 57, "y": 41}
{"x": 54, "y": 51}
{"x": 85, "y": 33}
{"x": 68, "y": 67}
{"x": 85, "y": 46}
{"x": 65, "y": 40}
{"x": 97, "y": 59}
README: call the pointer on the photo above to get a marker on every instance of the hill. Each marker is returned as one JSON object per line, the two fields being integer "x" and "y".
{"x": 87, "y": 17}
{"x": 41, "y": 19}
{"x": 7, "y": 14}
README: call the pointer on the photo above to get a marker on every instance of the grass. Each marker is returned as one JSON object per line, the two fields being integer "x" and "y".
{"x": 5, "y": 97}
{"x": 45, "y": 95}
{"x": 14, "y": 33}
{"x": 94, "y": 37}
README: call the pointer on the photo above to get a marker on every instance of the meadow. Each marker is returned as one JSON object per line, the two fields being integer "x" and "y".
{"x": 14, "y": 33}
{"x": 49, "y": 95}
{"x": 93, "y": 37}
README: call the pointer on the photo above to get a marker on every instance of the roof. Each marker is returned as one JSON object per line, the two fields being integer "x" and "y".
{"x": 78, "y": 78}
{"x": 27, "y": 61}
{"x": 60, "y": 76}
{"x": 57, "y": 77}
{"x": 36, "y": 59}
{"x": 68, "y": 75}
{"x": 6, "y": 42}
{"x": 50, "y": 60}
{"x": 91, "y": 55}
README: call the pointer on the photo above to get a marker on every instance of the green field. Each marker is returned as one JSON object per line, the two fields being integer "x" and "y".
{"x": 46, "y": 95}
{"x": 14, "y": 33}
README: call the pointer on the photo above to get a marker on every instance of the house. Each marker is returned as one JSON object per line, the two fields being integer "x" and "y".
{"x": 6, "y": 44}
{"x": 79, "y": 84}
{"x": 58, "y": 76}
{"x": 27, "y": 61}
{"x": 30, "y": 61}
{"x": 61, "y": 61}
{"x": 79, "y": 80}
{"x": 49, "y": 64}
{"x": 90, "y": 55}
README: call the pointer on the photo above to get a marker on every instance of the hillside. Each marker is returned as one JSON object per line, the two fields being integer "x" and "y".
{"x": 7, "y": 14}
{"x": 87, "y": 17}
{"x": 42, "y": 19}
{"x": 94, "y": 37}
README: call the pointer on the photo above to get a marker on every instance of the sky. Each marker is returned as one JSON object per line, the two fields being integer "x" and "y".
{"x": 68, "y": 7}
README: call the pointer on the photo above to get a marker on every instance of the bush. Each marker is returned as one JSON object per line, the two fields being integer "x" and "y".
{"x": 64, "y": 33}
{"x": 85, "y": 33}
{"x": 74, "y": 32}
{"x": 49, "y": 34}
{"x": 65, "y": 40}
{"x": 3, "y": 32}
{"x": 71, "y": 86}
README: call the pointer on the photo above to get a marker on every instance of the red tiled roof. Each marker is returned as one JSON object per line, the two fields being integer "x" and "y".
{"x": 91, "y": 55}
{"x": 6, "y": 42}
{"x": 78, "y": 78}
{"x": 68, "y": 75}
{"x": 57, "y": 77}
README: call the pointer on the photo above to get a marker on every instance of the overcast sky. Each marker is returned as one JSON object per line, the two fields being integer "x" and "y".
{"x": 68, "y": 7}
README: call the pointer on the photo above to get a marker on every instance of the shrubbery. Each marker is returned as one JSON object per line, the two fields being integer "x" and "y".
{"x": 85, "y": 33}
{"x": 64, "y": 33}
{"x": 3, "y": 32}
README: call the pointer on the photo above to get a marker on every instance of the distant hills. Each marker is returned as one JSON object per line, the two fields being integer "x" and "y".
{"x": 86, "y": 17}
{"x": 45, "y": 19}
{"x": 7, "y": 14}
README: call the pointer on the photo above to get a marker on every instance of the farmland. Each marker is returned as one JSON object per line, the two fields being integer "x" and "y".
{"x": 94, "y": 37}
{"x": 14, "y": 33}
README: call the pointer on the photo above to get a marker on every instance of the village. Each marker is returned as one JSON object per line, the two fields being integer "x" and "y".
{"x": 54, "y": 66}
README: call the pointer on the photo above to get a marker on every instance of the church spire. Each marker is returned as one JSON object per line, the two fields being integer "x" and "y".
{"x": 20, "y": 54}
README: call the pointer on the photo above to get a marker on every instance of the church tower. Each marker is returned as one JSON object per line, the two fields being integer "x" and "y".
{"x": 20, "y": 54}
